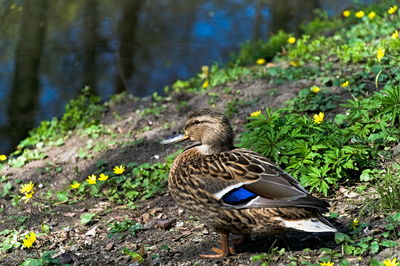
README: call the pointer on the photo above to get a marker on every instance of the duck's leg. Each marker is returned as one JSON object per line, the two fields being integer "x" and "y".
{"x": 220, "y": 252}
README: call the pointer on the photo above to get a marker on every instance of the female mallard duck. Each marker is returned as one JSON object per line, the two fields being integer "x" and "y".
{"x": 236, "y": 190}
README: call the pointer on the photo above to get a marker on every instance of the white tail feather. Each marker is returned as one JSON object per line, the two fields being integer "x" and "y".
{"x": 308, "y": 225}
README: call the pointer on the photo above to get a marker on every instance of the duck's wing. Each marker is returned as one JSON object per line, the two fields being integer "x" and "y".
{"x": 244, "y": 179}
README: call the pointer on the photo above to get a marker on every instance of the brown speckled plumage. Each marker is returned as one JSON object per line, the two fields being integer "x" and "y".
{"x": 204, "y": 177}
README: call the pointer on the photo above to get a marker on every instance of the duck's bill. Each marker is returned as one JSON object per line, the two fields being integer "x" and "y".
{"x": 174, "y": 139}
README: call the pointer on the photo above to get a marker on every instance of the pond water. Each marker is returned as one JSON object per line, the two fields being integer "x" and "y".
{"x": 51, "y": 49}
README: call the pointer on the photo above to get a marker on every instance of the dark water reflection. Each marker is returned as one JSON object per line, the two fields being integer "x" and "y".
{"x": 50, "y": 49}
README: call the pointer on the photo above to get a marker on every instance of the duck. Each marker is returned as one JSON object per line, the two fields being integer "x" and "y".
{"x": 236, "y": 190}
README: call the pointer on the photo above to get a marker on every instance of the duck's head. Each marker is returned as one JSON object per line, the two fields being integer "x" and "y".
{"x": 208, "y": 127}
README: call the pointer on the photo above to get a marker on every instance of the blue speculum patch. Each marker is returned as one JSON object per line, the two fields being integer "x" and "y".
{"x": 238, "y": 196}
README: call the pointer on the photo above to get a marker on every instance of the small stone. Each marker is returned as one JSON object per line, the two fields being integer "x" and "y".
{"x": 91, "y": 232}
{"x": 69, "y": 214}
{"x": 145, "y": 217}
{"x": 186, "y": 233}
{"x": 109, "y": 246}
{"x": 179, "y": 224}
{"x": 66, "y": 258}
{"x": 149, "y": 224}
{"x": 199, "y": 226}
{"x": 165, "y": 223}
{"x": 155, "y": 210}
{"x": 396, "y": 149}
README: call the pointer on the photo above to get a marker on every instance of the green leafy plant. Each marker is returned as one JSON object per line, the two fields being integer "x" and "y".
{"x": 388, "y": 188}
{"x": 45, "y": 259}
{"x": 134, "y": 255}
{"x": 87, "y": 217}
{"x": 80, "y": 113}
{"x": 270, "y": 257}
{"x": 357, "y": 244}
{"x": 128, "y": 226}
{"x": 252, "y": 50}
{"x": 308, "y": 101}
{"x": 9, "y": 239}
{"x": 145, "y": 181}
{"x": 321, "y": 155}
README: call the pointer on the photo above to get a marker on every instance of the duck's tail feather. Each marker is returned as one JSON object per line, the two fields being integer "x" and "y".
{"x": 316, "y": 224}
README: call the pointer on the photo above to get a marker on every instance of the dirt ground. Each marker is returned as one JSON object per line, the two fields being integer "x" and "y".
{"x": 170, "y": 236}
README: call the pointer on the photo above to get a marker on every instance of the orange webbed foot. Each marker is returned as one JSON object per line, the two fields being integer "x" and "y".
{"x": 224, "y": 251}
{"x": 219, "y": 253}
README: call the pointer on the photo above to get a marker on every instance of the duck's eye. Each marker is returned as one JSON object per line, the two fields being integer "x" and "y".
{"x": 196, "y": 122}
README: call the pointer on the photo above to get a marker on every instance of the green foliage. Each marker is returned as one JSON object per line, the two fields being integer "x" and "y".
{"x": 80, "y": 113}
{"x": 6, "y": 190}
{"x": 26, "y": 156}
{"x": 322, "y": 155}
{"x": 86, "y": 217}
{"x": 268, "y": 259}
{"x": 9, "y": 239}
{"x": 124, "y": 226}
{"x": 137, "y": 257}
{"x": 355, "y": 51}
{"x": 280, "y": 75}
{"x": 144, "y": 181}
{"x": 322, "y": 25}
{"x": 222, "y": 76}
{"x": 315, "y": 50}
{"x": 190, "y": 85}
{"x": 44, "y": 260}
{"x": 388, "y": 188}
{"x": 252, "y": 50}
{"x": 155, "y": 109}
{"x": 358, "y": 245}
{"x": 308, "y": 101}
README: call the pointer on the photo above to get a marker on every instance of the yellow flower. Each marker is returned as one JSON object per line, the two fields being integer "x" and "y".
{"x": 255, "y": 114}
{"x": 103, "y": 177}
{"x": 380, "y": 53}
{"x": 119, "y": 169}
{"x": 360, "y": 14}
{"x": 294, "y": 63}
{"x": 345, "y": 84}
{"x": 291, "y": 40}
{"x": 260, "y": 61}
{"x": 318, "y": 118}
{"x": 205, "y": 69}
{"x": 204, "y": 72}
{"x": 75, "y": 185}
{"x": 395, "y": 35}
{"x": 29, "y": 240}
{"x": 28, "y": 196}
{"x": 91, "y": 179}
{"x": 346, "y": 13}
{"x": 206, "y": 84}
{"x": 3, "y": 157}
{"x": 327, "y": 263}
{"x": 315, "y": 89}
{"x": 355, "y": 223}
{"x": 392, "y": 9}
{"x": 371, "y": 15}
{"x": 26, "y": 188}
{"x": 389, "y": 262}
